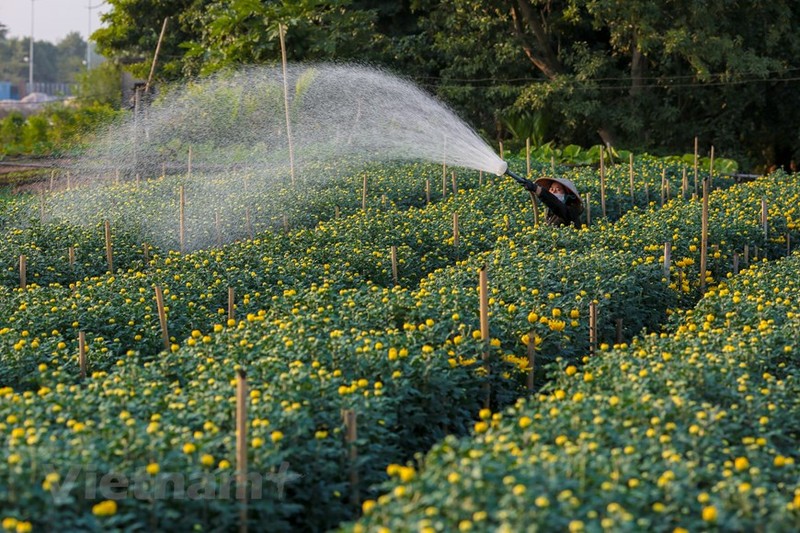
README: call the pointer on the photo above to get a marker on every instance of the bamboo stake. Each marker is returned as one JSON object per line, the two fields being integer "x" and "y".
{"x": 109, "y": 253}
{"x": 602, "y": 182}
{"x": 735, "y": 263}
{"x": 455, "y": 231}
{"x": 711, "y": 170}
{"x": 146, "y": 253}
{"x": 394, "y": 264}
{"x": 684, "y": 184}
{"x": 502, "y": 152}
{"x": 588, "y": 210}
{"x": 483, "y": 288}
{"x": 138, "y": 179}
{"x": 364, "y": 193}
{"x": 241, "y": 447}
{"x": 631, "y": 175}
{"x": 351, "y": 437}
{"x": 528, "y": 156}
{"x": 336, "y": 211}
{"x": 480, "y": 178}
{"x": 764, "y": 217}
{"x": 663, "y": 185}
{"x": 155, "y": 55}
{"x": 231, "y": 304}
{"x": 182, "y": 217}
{"x": 82, "y": 354}
{"x": 281, "y": 32}
{"x": 247, "y": 225}
{"x": 696, "y": 190}
{"x": 667, "y": 258}
{"x": 23, "y": 272}
{"x": 531, "y": 358}
{"x": 428, "y": 191}
{"x": 162, "y": 317}
{"x": 747, "y": 254}
{"x": 592, "y": 328}
{"x": 444, "y": 186}
{"x": 455, "y": 186}
{"x": 444, "y": 165}
{"x": 704, "y": 238}
{"x": 71, "y": 256}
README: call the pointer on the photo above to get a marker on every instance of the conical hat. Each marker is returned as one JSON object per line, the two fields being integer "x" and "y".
{"x": 545, "y": 183}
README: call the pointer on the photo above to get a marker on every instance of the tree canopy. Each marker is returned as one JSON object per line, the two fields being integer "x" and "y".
{"x": 636, "y": 74}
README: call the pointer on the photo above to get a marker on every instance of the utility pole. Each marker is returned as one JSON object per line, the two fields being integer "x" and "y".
{"x": 30, "y": 55}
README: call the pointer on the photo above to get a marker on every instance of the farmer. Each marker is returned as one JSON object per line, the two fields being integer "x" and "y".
{"x": 561, "y": 198}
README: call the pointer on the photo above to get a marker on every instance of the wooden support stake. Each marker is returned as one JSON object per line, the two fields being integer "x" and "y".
{"x": 428, "y": 191}
{"x": 684, "y": 184}
{"x": 163, "y": 171}
{"x": 231, "y": 304}
{"x": 138, "y": 179}
{"x": 704, "y": 238}
{"x": 71, "y": 256}
{"x": 52, "y": 179}
{"x": 667, "y": 258}
{"x": 602, "y": 181}
{"x": 619, "y": 331}
{"x": 483, "y": 289}
{"x": 364, "y": 193}
{"x": 588, "y": 210}
{"x": 23, "y": 272}
{"x": 41, "y": 206}
{"x": 218, "y": 226}
{"x": 764, "y": 217}
{"x": 592, "y": 328}
{"x": 336, "y": 211}
{"x": 528, "y": 156}
{"x": 747, "y": 254}
{"x": 735, "y": 263}
{"x": 351, "y": 438}
{"x": 455, "y": 231}
{"x": 502, "y": 152}
{"x": 146, "y": 253}
{"x": 281, "y": 36}
{"x": 247, "y": 225}
{"x": 109, "y": 252}
{"x": 82, "y": 354}
{"x": 189, "y": 164}
{"x": 116, "y": 176}
{"x": 162, "y": 317}
{"x": 663, "y": 185}
{"x": 182, "y": 217}
{"x": 711, "y": 170}
{"x": 480, "y": 178}
{"x": 444, "y": 186}
{"x": 394, "y": 264}
{"x": 631, "y": 176}
{"x": 531, "y": 358}
{"x": 455, "y": 185}
{"x": 241, "y": 447}
{"x": 696, "y": 161}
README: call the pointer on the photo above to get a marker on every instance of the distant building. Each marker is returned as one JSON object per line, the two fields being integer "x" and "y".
{"x": 8, "y": 91}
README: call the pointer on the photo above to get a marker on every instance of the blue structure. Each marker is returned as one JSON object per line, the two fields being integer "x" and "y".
{"x": 8, "y": 91}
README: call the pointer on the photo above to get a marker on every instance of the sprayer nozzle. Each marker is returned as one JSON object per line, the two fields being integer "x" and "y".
{"x": 501, "y": 169}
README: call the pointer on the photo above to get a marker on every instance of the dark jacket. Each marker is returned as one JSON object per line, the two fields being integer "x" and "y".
{"x": 562, "y": 213}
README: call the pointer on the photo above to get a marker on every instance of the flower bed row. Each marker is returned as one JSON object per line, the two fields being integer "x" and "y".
{"x": 696, "y": 430}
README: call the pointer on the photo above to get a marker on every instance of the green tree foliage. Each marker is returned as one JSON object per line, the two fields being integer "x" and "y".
{"x": 637, "y": 74}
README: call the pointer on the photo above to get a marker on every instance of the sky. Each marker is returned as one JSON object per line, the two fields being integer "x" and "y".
{"x": 52, "y": 19}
